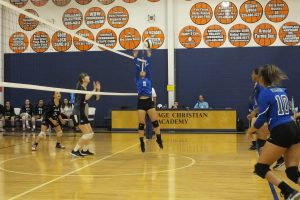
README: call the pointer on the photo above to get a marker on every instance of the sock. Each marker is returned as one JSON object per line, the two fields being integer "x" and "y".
{"x": 23, "y": 126}
{"x": 142, "y": 139}
{"x": 1, "y": 124}
{"x": 33, "y": 126}
{"x": 27, "y": 123}
{"x": 85, "y": 147}
{"x": 286, "y": 190}
{"x": 77, "y": 147}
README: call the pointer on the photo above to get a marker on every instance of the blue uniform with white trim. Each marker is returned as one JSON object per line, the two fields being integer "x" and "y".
{"x": 273, "y": 106}
{"x": 143, "y": 85}
{"x": 257, "y": 89}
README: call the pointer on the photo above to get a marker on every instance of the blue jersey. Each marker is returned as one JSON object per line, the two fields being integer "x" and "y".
{"x": 273, "y": 107}
{"x": 143, "y": 85}
{"x": 257, "y": 89}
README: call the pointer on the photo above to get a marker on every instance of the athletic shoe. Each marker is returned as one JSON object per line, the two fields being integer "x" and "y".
{"x": 33, "y": 147}
{"x": 160, "y": 143}
{"x": 86, "y": 153}
{"x": 279, "y": 163}
{"x": 76, "y": 153}
{"x": 33, "y": 129}
{"x": 293, "y": 196}
{"x": 13, "y": 129}
{"x": 142, "y": 146}
{"x": 59, "y": 146}
{"x": 252, "y": 148}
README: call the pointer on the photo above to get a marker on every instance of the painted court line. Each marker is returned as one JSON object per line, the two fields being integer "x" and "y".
{"x": 65, "y": 175}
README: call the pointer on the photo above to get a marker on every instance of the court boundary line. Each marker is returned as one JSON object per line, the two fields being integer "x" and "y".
{"x": 69, "y": 173}
{"x": 193, "y": 162}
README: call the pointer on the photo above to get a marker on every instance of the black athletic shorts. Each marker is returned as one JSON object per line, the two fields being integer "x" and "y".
{"x": 80, "y": 119}
{"x": 47, "y": 122}
{"x": 285, "y": 135}
{"x": 145, "y": 104}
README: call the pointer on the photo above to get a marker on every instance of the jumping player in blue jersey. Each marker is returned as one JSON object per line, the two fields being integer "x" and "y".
{"x": 284, "y": 139}
{"x": 145, "y": 104}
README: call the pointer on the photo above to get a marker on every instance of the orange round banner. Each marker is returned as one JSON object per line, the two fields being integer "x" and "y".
{"x": 239, "y": 35}
{"x": 130, "y": 38}
{"x": 276, "y": 10}
{"x": 94, "y": 18}
{"x": 19, "y": 3}
{"x": 106, "y": 2}
{"x": 18, "y": 42}
{"x": 61, "y": 2}
{"x": 201, "y": 13}
{"x": 27, "y": 23}
{"x": 107, "y": 37}
{"x": 289, "y": 33}
{"x": 214, "y": 36}
{"x": 226, "y": 12}
{"x": 118, "y": 17}
{"x": 39, "y": 3}
{"x": 251, "y": 11}
{"x": 61, "y": 41}
{"x": 72, "y": 18}
{"x": 190, "y": 37}
{"x": 129, "y": 1}
{"x": 83, "y": 45}
{"x": 40, "y": 42}
{"x": 157, "y": 36}
{"x": 83, "y": 2}
{"x": 265, "y": 34}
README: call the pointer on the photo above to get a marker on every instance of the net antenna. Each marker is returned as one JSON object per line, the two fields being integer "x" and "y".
{"x": 46, "y": 22}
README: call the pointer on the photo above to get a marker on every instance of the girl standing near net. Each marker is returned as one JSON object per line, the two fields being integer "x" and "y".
{"x": 145, "y": 104}
{"x": 284, "y": 139}
{"x": 52, "y": 118}
{"x": 80, "y": 118}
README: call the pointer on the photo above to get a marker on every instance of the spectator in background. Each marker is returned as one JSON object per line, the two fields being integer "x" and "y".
{"x": 66, "y": 111}
{"x": 175, "y": 105}
{"x": 39, "y": 110}
{"x": 26, "y": 115}
{"x": 201, "y": 103}
{"x": 9, "y": 114}
{"x": 1, "y": 118}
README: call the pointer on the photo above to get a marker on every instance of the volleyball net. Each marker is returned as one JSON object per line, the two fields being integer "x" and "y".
{"x": 25, "y": 31}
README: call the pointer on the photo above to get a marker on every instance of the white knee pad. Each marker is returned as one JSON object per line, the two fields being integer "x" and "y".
{"x": 42, "y": 134}
{"x": 87, "y": 136}
{"x": 59, "y": 133}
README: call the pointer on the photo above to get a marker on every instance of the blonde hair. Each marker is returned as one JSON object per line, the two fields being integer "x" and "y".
{"x": 272, "y": 75}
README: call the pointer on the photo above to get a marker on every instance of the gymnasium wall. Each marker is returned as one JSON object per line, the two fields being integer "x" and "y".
{"x": 216, "y": 49}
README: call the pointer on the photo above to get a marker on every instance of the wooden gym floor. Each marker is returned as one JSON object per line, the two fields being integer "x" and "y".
{"x": 192, "y": 166}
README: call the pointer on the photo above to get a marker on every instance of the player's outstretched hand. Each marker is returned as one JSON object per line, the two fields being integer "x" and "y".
{"x": 135, "y": 53}
{"x": 97, "y": 86}
{"x": 149, "y": 52}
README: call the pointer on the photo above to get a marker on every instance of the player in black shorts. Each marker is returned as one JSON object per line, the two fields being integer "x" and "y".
{"x": 273, "y": 105}
{"x": 51, "y": 118}
{"x": 80, "y": 116}
{"x": 145, "y": 105}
